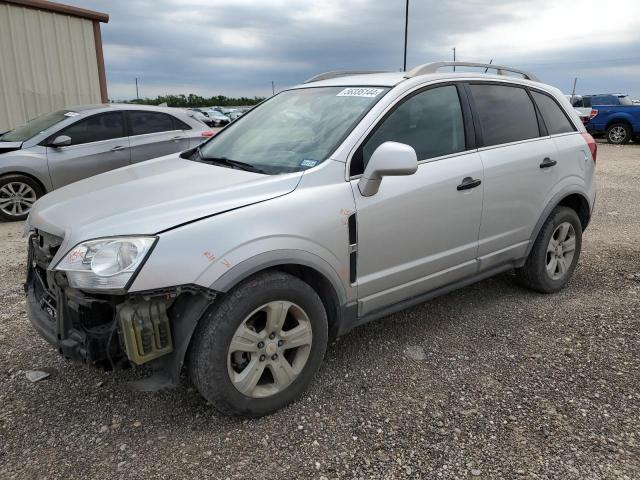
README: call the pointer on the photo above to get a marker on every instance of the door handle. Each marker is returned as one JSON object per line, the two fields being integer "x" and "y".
{"x": 118, "y": 148}
{"x": 547, "y": 162}
{"x": 468, "y": 182}
{"x": 175, "y": 139}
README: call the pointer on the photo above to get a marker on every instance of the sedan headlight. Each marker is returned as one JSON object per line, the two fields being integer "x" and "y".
{"x": 106, "y": 263}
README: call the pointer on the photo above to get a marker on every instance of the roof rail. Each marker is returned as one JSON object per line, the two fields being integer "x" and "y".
{"x": 341, "y": 73}
{"x": 434, "y": 67}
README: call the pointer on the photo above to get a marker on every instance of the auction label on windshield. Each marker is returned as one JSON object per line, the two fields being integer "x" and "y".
{"x": 360, "y": 92}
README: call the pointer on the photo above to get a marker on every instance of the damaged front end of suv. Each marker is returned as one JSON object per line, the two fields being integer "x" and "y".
{"x": 82, "y": 307}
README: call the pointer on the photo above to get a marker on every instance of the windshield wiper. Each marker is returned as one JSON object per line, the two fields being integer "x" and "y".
{"x": 230, "y": 163}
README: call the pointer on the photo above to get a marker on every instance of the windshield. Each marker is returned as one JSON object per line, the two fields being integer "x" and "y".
{"x": 35, "y": 126}
{"x": 294, "y": 130}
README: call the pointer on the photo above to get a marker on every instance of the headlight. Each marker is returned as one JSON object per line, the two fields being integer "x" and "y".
{"x": 106, "y": 263}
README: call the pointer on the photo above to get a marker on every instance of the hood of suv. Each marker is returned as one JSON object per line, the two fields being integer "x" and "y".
{"x": 152, "y": 196}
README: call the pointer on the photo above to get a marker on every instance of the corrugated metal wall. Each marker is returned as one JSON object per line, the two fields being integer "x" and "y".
{"x": 47, "y": 61}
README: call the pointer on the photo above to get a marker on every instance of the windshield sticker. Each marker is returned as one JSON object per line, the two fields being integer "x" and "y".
{"x": 308, "y": 163}
{"x": 360, "y": 92}
{"x": 71, "y": 114}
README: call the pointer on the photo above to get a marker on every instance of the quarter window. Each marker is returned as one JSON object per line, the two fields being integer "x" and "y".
{"x": 150, "y": 122}
{"x": 96, "y": 128}
{"x": 554, "y": 118}
{"x": 506, "y": 113}
{"x": 430, "y": 121}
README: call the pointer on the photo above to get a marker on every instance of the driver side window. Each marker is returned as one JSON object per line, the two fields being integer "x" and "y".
{"x": 430, "y": 121}
{"x": 96, "y": 128}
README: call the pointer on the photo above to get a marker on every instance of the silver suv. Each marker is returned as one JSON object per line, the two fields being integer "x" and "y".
{"x": 333, "y": 203}
{"x": 67, "y": 145}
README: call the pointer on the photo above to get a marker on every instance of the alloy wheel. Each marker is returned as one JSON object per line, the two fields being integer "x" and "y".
{"x": 17, "y": 198}
{"x": 561, "y": 250}
{"x": 269, "y": 349}
{"x": 617, "y": 134}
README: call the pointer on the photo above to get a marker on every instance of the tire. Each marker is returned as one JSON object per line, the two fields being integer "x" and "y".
{"x": 18, "y": 193}
{"x": 212, "y": 363}
{"x": 619, "y": 134}
{"x": 535, "y": 274}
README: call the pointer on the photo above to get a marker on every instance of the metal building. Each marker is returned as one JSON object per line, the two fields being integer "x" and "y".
{"x": 50, "y": 57}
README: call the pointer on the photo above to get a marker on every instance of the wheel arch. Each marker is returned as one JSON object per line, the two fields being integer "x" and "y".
{"x": 308, "y": 267}
{"x": 575, "y": 200}
{"x": 620, "y": 119}
{"x": 26, "y": 174}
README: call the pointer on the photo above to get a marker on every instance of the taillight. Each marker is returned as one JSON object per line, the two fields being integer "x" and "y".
{"x": 593, "y": 113}
{"x": 593, "y": 146}
{"x": 207, "y": 133}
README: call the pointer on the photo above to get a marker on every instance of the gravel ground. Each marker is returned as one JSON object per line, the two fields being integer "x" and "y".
{"x": 491, "y": 381}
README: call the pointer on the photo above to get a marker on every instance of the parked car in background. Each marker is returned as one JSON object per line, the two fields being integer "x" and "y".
{"x": 613, "y": 115}
{"x": 214, "y": 118}
{"x": 234, "y": 114}
{"x": 198, "y": 115}
{"x": 219, "y": 119}
{"x": 583, "y": 112}
{"x": 240, "y": 260}
{"x": 62, "y": 147}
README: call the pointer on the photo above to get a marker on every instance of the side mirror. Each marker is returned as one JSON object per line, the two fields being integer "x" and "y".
{"x": 60, "y": 141}
{"x": 389, "y": 159}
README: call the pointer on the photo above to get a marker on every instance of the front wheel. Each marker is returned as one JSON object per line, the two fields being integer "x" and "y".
{"x": 554, "y": 254}
{"x": 259, "y": 348}
{"x": 18, "y": 193}
{"x": 619, "y": 134}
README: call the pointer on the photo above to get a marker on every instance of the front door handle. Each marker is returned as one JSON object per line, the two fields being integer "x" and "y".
{"x": 118, "y": 148}
{"x": 178, "y": 138}
{"x": 468, "y": 182}
{"x": 547, "y": 162}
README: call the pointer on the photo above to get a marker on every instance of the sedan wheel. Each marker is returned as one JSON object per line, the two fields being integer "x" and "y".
{"x": 16, "y": 199}
{"x": 269, "y": 349}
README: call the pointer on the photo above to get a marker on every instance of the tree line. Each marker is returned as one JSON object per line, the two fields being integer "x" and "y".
{"x": 192, "y": 100}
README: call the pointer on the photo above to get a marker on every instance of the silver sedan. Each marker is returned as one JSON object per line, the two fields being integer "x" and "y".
{"x": 68, "y": 145}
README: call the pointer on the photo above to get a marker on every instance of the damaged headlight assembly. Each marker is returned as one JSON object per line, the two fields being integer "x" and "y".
{"x": 105, "y": 263}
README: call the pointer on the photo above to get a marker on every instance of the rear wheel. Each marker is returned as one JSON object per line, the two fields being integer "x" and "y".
{"x": 18, "y": 193}
{"x": 619, "y": 133}
{"x": 260, "y": 347}
{"x": 554, "y": 254}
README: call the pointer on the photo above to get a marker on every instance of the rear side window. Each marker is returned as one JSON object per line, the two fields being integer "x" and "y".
{"x": 506, "y": 113}
{"x": 150, "y": 122}
{"x": 430, "y": 121}
{"x": 554, "y": 118}
{"x": 96, "y": 128}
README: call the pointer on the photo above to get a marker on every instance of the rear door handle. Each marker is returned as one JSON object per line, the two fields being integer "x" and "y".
{"x": 468, "y": 182}
{"x": 547, "y": 162}
{"x": 118, "y": 148}
{"x": 177, "y": 138}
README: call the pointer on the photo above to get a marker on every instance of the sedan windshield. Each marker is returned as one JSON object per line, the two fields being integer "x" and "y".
{"x": 294, "y": 130}
{"x": 34, "y": 126}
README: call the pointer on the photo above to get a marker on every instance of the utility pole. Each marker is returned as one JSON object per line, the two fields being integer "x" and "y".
{"x": 273, "y": 88}
{"x": 573, "y": 91}
{"x": 137, "y": 96}
{"x": 454, "y": 57}
{"x": 406, "y": 32}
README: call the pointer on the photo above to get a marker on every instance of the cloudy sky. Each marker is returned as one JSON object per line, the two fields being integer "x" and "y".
{"x": 237, "y": 47}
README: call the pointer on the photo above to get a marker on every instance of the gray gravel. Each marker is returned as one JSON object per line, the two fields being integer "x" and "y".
{"x": 492, "y": 381}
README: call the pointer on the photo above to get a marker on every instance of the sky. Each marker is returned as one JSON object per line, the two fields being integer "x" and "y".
{"x": 238, "y": 47}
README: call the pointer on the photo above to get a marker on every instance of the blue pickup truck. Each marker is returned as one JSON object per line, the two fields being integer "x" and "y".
{"x": 613, "y": 115}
